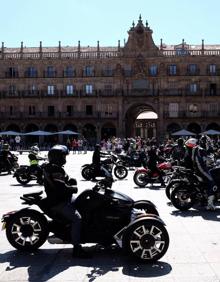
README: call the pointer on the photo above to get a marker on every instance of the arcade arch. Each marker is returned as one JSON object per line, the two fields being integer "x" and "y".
{"x": 141, "y": 120}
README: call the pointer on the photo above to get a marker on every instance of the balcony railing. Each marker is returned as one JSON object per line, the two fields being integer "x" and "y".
{"x": 107, "y": 93}
{"x": 187, "y": 114}
{"x": 97, "y": 116}
{"x": 102, "y": 54}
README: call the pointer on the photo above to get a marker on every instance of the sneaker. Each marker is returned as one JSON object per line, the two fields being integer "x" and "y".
{"x": 210, "y": 206}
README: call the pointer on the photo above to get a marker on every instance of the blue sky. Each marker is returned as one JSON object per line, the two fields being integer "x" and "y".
{"x": 68, "y": 21}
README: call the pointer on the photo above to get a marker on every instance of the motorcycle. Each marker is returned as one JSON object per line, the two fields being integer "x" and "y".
{"x": 192, "y": 191}
{"x": 132, "y": 160}
{"x": 13, "y": 159}
{"x": 110, "y": 164}
{"x": 24, "y": 174}
{"x": 143, "y": 176}
{"x": 108, "y": 217}
{"x": 176, "y": 176}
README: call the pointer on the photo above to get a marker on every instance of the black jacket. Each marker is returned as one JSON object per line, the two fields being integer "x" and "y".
{"x": 56, "y": 185}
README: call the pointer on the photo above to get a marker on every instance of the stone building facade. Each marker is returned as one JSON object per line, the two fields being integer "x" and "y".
{"x": 100, "y": 91}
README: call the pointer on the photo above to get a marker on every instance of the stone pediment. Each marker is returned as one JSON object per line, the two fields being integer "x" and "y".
{"x": 140, "y": 40}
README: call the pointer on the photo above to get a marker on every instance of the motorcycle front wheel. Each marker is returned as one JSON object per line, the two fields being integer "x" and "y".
{"x": 86, "y": 173}
{"x": 141, "y": 179}
{"x": 146, "y": 240}
{"x": 182, "y": 198}
{"x": 23, "y": 178}
{"x": 120, "y": 171}
{"x": 27, "y": 230}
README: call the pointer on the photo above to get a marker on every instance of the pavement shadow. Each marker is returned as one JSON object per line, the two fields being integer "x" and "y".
{"x": 47, "y": 263}
{"x": 207, "y": 215}
{"x": 26, "y": 185}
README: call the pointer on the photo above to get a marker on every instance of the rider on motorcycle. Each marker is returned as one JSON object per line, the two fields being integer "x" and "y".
{"x": 96, "y": 161}
{"x": 59, "y": 194}
{"x": 34, "y": 163}
{"x": 199, "y": 157}
{"x": 6, "y": 154}
{"x": 153, "y": 158}
{"x": 179, "y": 151}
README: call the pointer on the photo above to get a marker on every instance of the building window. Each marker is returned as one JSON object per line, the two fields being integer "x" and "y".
{"x": 50, "y": 72}
{"x": 108, "y": 89}
{"x": 50, "y": 111}
{"x": 193, "y": 88}
{"x": 12, "y": 89}
{"x": 108, "y": 111}
{"x": 11, "y": 110}
{"x": 153, "y": 70}
{"x": 192, "y": 69}
{"x": 12, "y": 72}
{"x": 69, "y": 71}
{"x": 172, "y": 70}
{"x": 108, "y": 71}
{"x": 89, "y": 110}
{"x": 88, "y": 89}
{"x": 69, "y": 110}
{"x": 212, "y": 89}
{"x": 31, "y": 72}
{"x": 50, "y": 90}
{"x": 212, "y": 69}
{"x": 32, "y": 89}
{"x": 32, "y": 110}
{"x": 173, "y": 109}
{"x": 69, "y": 89}
{"x": 88, "y": 71}
{"x": 213, "y": 108}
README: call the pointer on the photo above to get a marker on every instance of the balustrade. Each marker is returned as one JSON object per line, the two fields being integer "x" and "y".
{"x": 102, "y": 54}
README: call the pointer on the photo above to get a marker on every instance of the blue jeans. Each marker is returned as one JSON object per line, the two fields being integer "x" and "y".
{"x": 69, "y": 212}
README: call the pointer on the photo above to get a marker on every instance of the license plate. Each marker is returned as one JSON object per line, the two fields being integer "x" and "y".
{"x": 4, "y": 225}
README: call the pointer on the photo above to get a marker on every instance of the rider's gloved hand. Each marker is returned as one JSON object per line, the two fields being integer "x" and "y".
{"x": 74, "y": 190}
{"x": 72, "y": 182}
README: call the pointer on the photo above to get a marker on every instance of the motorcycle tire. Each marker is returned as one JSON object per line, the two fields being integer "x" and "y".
{"x": 146, "y": 206}
{"x": 170, "y": 187}
{"x": 120, "y": 171}
{"x": 23, "y": 178}
{"x": 86, "y": 173}
{"x": 27, "y": 230}
{"x": 141, "y": 179}
{"x": 147, "y": 240}
{"x": 182, "y": 197}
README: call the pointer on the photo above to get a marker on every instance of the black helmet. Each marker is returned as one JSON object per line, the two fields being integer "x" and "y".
{"x": 180, "y": 141}
{"x": 5, "y": 147}
{"x": 57, "y": 155}
{"x": 97, "y": 147}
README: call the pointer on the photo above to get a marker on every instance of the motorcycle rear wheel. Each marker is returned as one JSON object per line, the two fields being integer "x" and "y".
{"x": 146, "y": 240}
{"x": 182, "y": 198}
{"x": 27, "y": 230}
{"x": 141, "y": 179}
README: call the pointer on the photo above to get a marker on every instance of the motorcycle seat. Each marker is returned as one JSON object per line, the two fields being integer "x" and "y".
{"x": 33, "y": 194}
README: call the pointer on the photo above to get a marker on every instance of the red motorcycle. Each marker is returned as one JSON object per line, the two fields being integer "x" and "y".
{"x": 143, "y": 176}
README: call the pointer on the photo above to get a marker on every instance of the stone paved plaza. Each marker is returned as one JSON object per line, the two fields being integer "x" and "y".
{"x": 193, "y": 254}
